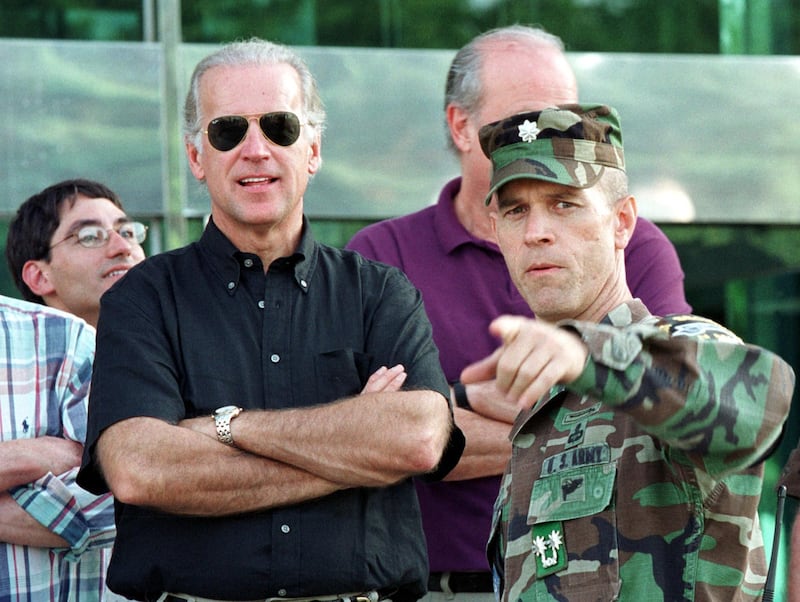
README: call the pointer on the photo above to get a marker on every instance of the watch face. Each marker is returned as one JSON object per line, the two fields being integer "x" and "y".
{"x": 225, "y": 410}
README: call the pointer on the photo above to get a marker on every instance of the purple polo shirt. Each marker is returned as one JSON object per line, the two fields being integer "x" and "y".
{"x": 465, "y": 285}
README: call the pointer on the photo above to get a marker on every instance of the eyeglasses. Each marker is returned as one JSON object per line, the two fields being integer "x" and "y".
{"x": 94, "y": 237}
{"x": 225, "y": 133}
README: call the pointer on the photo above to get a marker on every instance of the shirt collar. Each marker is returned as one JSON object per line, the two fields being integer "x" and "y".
{"x": 449, "y": 231}
{"x": 225, "y": 260}
{"x": 626, "y": 313}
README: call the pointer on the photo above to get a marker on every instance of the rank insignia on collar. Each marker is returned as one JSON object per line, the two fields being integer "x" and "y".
{"x": 549, "y": 548}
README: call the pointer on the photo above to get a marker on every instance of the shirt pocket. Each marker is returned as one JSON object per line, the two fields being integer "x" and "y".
{"x": 574, "y": 508}
{"x": 340, "y": 373}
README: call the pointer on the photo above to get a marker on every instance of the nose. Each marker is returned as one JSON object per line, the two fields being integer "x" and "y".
{"x": 538, "y": 228}
{"x": 117, "y": 245}
{"x": 255, "y": 143}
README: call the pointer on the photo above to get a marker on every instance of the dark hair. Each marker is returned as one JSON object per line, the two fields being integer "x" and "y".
{"x": 36, "y": 220}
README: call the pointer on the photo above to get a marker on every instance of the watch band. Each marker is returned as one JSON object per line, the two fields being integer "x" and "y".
{"x": 460, "y": 394}
{"x": 222, "y": 420}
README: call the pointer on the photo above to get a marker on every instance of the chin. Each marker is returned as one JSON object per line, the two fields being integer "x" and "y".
{"x": 108, "y": 283}
{"x": 550, "y": 310}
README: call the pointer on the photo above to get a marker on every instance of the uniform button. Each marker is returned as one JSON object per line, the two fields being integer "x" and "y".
{"x": 285, "y": 528}
{"x": 261, "y": 304}
{"x": 281, "y": 592}
{"x": 274, "y": 358}
{"x": 303, "y": 283}
{"x": 231, "y": 285}
{"x": 248, "y": 263}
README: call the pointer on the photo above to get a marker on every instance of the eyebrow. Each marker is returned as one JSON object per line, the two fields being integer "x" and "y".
{"x": 502, "y": 203}
{"x": 565, "y": 196}
{"x": 77, "y": 225}
{"x": 557, "y": 196}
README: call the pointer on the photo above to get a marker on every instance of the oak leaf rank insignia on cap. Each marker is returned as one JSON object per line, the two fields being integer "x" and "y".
{"x": 569, "y": 144}
{"x": 528, "y": 131}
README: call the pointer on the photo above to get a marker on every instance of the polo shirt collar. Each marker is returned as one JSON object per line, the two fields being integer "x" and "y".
{"x": 225, "y": 260}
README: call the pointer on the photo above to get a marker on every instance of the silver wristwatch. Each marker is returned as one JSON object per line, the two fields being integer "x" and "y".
{"x": 222, "y": 418}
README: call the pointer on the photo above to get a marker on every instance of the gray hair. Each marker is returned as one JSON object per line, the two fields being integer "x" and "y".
{"x": 614, "y": 184}
{"x": 254, "y": 51}
{"x": 464, "y": 87}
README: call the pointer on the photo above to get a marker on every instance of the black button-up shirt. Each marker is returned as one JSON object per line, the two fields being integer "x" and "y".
{"x": 191, "y": 330}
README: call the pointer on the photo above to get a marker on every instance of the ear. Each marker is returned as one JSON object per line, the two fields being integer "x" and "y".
{"x": 493, "y": 219}
{"x": 460, "y": 126}
{"x": 193, "y": 154}
{"x": 626, "y": 214}
{"x": 35, "y": 275}
{"x": 315, "y": 155}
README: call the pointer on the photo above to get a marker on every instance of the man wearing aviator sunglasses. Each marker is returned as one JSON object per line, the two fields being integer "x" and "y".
{"x": 231, "y": 413}
{"x": 69, "y": 243}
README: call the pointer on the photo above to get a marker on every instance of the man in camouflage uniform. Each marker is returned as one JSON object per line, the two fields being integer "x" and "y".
{"x": 637, "y": 457}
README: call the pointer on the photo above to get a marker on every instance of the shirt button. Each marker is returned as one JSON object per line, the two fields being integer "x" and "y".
{"x": 248, "y": 263}
{"x": 285, "y": 528}
{"x": 231, "y": 286}
{"x": 303, "y": 283}
{"x": 282, "y": 592}
{"x": 274, "y": 358}
{"x": 261, "y": 304}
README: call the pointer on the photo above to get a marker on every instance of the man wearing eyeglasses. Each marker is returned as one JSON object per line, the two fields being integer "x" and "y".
{"x": 69, "y": 243}
{"x": 227, "y": 414}
{"x": 66, "y": 246}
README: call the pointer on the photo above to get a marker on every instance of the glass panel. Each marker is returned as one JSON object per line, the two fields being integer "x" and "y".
{"x": 80, "y": 109}
{"x": 703, "y": 142}
{"x": 708, "y": 138}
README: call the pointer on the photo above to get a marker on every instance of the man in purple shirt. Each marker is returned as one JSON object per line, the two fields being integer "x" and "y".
{"x": 448, "y": 252}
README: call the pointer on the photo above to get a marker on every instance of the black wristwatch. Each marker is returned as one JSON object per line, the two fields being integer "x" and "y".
{"x": 460, "y": 393}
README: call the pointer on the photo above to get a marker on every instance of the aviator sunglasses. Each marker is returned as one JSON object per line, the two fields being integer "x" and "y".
{"x": 225, "y": 133}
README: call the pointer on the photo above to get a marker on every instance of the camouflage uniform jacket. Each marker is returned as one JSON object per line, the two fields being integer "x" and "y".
{"x": 641, "y": 480}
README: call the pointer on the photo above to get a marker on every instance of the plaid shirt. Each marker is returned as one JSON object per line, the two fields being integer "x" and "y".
{"x": 45, "y": 371}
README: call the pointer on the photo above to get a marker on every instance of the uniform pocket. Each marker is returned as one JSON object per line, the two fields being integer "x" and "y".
{"x": 574, "y": 528}
{"x": 572, "y": 493}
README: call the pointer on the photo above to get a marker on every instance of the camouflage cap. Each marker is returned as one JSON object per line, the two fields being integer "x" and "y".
{"x": 568, "y": 144}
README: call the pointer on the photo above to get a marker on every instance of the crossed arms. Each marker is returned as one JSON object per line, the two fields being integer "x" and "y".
{"x": 23, "y": 461}
{"x": 282, "y": 457}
